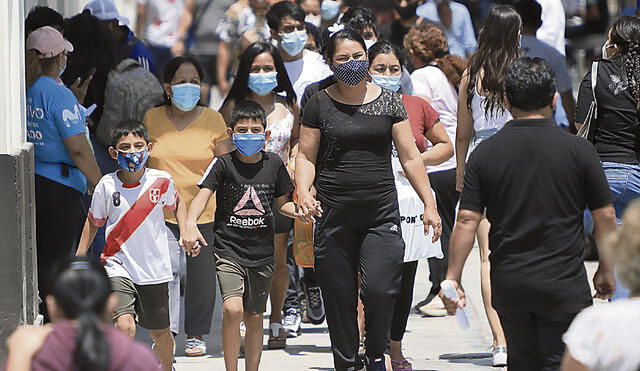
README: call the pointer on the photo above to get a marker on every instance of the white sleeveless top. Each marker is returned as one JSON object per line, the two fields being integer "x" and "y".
{"x": 492, "y": 120}
{"x": 280, "y": 140}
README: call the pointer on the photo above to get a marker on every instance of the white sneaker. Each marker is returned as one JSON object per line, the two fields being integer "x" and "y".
{"x": 435, "y": 308}
{"x": 195, "y": 347}
{"x": 291, "y": 322}
{"x": 499, "y": 357}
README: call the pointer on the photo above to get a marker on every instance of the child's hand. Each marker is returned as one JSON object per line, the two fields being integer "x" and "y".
{"x": 191, "y": 240}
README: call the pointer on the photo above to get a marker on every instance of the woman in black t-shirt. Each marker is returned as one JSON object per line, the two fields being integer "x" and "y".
{"x": 616, "y": 130}
{"x": 345, "y": 151}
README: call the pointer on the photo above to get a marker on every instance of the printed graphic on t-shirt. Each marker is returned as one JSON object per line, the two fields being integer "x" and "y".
{"x": 250, "y": 212}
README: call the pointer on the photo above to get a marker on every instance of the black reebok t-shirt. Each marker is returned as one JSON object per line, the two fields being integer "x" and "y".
{"x": 353, "y": 165}
{"x": 535, "y": 181}
{"x": 617, "y": 127}
{"x": 244, "y": 224}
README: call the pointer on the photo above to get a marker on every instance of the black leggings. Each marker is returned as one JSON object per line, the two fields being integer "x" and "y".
{"x": 443, "y": 184}
{"x": 403, "y": 301}
{"x": 349, "y": 240}
{"x": 59, "y": 211}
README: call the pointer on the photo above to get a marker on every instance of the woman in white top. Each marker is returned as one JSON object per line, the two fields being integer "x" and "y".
{"x": 262, "y": 78}
{"x": 607, "y": 337}
{"x": 482, "y": 111}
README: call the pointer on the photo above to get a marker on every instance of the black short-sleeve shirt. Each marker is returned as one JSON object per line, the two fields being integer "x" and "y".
{"x": 535, "y": 181}
{"x": 617, "y": 127}
{"x": 353, "y": 165}
{"x": 244, "y": 224}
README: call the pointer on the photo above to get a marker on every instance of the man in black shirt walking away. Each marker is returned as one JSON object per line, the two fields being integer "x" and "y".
{"x": 534, "y": 180}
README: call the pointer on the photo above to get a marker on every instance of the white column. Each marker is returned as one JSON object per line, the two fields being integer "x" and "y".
{"x": 12, "y": 93}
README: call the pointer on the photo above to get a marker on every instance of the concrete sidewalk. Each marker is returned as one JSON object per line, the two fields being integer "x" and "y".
{"x": 430, "y": 343}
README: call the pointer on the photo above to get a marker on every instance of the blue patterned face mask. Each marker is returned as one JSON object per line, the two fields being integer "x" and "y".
{"x": 133, "y": 161}
{"x": 249, "y": 143}
{"x": 293, "y": 42}
{"x": 263, "y": 83}
{"x": 388, "y": 82}
{"x": 352, "y": 72}
{"x": 185, "y": 96}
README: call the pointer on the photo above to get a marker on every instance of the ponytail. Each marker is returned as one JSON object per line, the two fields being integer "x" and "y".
{"x": 81, "y": 290}
{"x": 33, "y": 69}
{"x": 453, "y": 67}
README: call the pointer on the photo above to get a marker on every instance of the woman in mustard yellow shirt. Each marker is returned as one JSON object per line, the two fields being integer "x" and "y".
{"x": 187, "y": 137}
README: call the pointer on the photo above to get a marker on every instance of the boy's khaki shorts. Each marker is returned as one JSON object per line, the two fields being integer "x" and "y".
{"x": 149, "y": 304}
{"x": 252, "y": 284}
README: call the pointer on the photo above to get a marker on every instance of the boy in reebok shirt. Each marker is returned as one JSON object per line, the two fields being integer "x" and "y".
{"x": 130, "y": 203}
{"x": 246, "y": 182}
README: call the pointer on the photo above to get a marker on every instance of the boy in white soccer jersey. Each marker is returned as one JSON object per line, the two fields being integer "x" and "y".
{"x": 130, "y": 202}
{"x": 246, "y": 182}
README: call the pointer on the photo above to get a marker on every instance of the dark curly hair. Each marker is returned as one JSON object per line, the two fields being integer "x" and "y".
{"x": 428, "y": 43}
{"x": 625, "y": 35}
{"x": 497, "y": 50}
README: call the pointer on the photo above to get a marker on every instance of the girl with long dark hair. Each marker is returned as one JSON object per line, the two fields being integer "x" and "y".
{"x": 482, "y": 111}
{"x": 262, "y": 78}
{"x": 437, "y": 79}
{"x": 615, "y": 131}
{"x": 385, "y": 67}
{"x": 81, "y": 336}
{"x": 186, "y": 137}
{"x": 345, "y": 152}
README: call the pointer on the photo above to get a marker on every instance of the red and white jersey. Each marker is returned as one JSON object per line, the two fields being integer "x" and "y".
{"x": 136, "y": 234}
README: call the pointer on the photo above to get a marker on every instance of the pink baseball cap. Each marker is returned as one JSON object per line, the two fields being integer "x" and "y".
{"x": 48, "y": 41}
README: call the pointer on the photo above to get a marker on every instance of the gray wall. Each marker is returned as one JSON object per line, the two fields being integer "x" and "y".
{"x": 18, "y": 280}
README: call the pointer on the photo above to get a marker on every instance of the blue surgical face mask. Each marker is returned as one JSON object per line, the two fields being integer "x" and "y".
{"x": 388, "y": 82}
{"x": 132, "y": 161}
{"x": 352, "y": 72}
{"x": 329, "y": 9}
{"x": 249, "y": 143}
{"x": 263, "y": 83}
{"x": 185, "y": 96}
{"x": 293, "y": 42}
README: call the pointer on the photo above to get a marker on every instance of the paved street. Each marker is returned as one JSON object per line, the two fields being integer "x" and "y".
{"x": 431, "y": 343}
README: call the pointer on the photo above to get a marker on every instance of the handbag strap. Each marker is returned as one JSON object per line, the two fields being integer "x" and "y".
{"x": 594, "y": 79}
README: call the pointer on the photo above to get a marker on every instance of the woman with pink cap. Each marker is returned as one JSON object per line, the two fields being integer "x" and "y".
{"x": 65, "y": 166}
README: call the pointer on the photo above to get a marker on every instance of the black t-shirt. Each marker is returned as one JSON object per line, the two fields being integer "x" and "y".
{"x": 244, "y": 225}
{"x": 616, "y": 136}
{"x": 353, "y": 166}
{"x": 535, "y": 181}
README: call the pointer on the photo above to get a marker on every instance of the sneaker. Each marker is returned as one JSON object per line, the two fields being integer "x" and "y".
{"x": 434, "y": 309}
{"x": 424, "y": 302}
{"x": 291, "y": 322}
{"x": 376, "y": 363}
{"x": 499, "y": 357}
{"x": 315, "y": 306}
{"x": 195, "y": 347}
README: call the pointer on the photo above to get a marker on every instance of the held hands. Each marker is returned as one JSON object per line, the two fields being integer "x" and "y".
{"x": 604, "y": 282}
{"x": 432, "y": 218}
{"x": 307, "y": 208}
{"x": 459, "y": 181}
{"x": 452, "y": 305}
{"x": 191, "y": 241}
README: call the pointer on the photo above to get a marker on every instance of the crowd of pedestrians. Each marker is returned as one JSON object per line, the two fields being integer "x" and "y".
{"x": 335, "y": 115}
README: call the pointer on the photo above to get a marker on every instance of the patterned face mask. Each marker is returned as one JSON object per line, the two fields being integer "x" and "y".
{"x": 352, "y": 72}
{"x": 132, "y": 161}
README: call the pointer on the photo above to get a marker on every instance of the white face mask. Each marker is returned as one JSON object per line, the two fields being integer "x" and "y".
{"x": 369, "y": 43}
{"x": 315, "y": 20}
{"x": 604, "y": 50}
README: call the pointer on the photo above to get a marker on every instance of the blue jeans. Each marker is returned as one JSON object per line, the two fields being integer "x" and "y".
{"x": 624, "y": 182}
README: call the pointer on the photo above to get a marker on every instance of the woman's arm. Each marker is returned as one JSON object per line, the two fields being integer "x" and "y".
{"x": 442, "y": 149}
{"x": 295, "y": 131}
{"x": 464, "y": 131}
{"x": 83, "y": 157}
{"x": 23, "y": 344}
{"x": 413, "y": 166}
{"x": 306, "y": 171}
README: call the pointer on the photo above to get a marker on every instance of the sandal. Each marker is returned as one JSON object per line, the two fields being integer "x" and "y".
{"x": 401, "y": 365}
{"x": 277, "y": 336}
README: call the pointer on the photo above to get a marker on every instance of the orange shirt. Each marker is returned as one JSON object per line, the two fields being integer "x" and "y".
{"x": 185, "y": 154}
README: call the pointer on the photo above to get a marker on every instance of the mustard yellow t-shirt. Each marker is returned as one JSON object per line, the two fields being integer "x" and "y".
{"x": 185, "y": 154}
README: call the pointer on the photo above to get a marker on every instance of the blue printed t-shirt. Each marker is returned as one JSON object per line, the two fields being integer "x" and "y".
{"x": 53, "y": 114}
